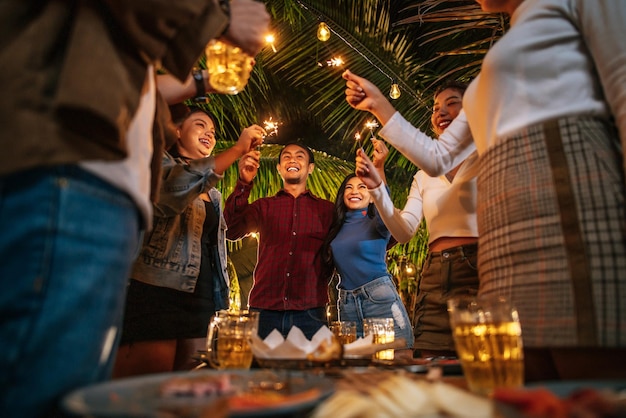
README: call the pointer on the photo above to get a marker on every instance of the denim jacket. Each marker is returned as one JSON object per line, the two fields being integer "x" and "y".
{"x": 171, "y": 252}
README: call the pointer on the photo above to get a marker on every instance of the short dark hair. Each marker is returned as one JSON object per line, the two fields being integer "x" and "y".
{"x": 451, "y": 84}
{"x": 180, "y": 112}
{"x": 301, "y": 145}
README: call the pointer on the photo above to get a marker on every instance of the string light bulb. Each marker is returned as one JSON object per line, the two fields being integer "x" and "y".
{"x": 323, "y": 32}
{"x": 395, "y": 92}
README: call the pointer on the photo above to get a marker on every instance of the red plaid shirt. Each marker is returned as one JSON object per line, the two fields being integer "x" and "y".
{"x": 290, "y": 273}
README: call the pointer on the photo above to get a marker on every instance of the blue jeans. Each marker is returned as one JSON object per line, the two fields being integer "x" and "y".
{"x": 309, "y": 321}
{"x": 67, "y": 244}
{"x": 376, "y": 299}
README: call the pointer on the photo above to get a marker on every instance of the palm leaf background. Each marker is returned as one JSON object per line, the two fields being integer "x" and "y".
{"x": 416, "y": 44}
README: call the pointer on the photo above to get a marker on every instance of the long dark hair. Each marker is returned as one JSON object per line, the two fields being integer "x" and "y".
{"x": 339, "y": 216}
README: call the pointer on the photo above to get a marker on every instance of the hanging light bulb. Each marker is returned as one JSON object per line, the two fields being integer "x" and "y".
{"x": 395, "y": 92}
{"x": 323, "y": 32}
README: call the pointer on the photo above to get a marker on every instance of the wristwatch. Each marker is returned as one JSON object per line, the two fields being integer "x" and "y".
{"x": 200, "y": 89}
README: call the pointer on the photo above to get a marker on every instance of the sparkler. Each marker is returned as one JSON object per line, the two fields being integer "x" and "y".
{"x": 271, "y": 127}
{"x": 371, "y": 125}
{"x": 357, "y": 137}
{"x": 270, "y": 39}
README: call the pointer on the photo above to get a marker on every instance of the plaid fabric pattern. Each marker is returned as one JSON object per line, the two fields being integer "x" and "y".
{"x": 290, "y": 273}
{"x": 522, "y": 252}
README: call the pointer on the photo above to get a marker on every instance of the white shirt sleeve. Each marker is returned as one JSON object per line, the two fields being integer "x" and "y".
{"x": 603, "y": 26}
{"x": 435, "y": 157}
{"x": 402, "y": 224}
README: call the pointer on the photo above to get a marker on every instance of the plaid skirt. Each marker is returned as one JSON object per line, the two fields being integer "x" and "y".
{"x": 552, "y": 232}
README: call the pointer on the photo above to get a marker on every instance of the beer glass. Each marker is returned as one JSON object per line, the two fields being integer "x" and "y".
{"x": 228, "y": 340}
{"x": 382, "y": 330}
{"x": 228, "y": 67}
{"x": 345, "y": 331}
{"x": 488, "y": 339}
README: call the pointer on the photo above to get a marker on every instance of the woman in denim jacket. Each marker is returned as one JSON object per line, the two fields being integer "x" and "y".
{"x": 180, "y": 278}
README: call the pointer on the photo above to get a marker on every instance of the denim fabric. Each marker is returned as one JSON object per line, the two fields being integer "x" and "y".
{"x": 67, "y": 243}
{"x": 377, "y": 299}
{"x": 309, "y": 321}
{"x": 171, "y": 253}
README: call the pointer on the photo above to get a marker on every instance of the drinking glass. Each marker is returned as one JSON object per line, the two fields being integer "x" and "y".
{"x": 488, "y": 339}
{"x": 382, "y": 330}
{"x": 228, "y": 340}
{"x": 228, "y": 67}
{"x": 345, "y": 331}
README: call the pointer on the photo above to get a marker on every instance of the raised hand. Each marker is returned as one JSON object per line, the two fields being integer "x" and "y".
{"x": 250, "y": 138}
{"x": 249, "y": 23}
{"x": 249, "y": 166}
{"x": 366, "y": 171}
{"x": 361, "y": 94}
{"x": 380, "y": 153}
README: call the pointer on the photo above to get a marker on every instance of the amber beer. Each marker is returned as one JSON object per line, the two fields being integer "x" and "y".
{"x": 234, "y": 352}
{"x": 488, "y": 339}
{"x": 382, "y": 330}
{"x": 228, "y": 67}
{"x": 345, "y": 331}
{"x": 228, "y": 339}
{"x": 491, "y": 355}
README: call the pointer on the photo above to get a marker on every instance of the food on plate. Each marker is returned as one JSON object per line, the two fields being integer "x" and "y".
{"x": 197, "y": 385}
{"x": 541, "y": 402}
{"x": 460, "y": 403}
{"x": 254, "y": 400}
{"x": 400, "y": 396}
{"x": 328, "y": 349}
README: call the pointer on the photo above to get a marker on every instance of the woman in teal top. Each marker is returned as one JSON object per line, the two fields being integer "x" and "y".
{"x": 358, "y": 243}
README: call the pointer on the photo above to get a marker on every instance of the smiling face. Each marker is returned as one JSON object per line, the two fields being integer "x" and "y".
{"x": 356, "y": 195}
{"x": 196, "y": 136}
{"x": 447, "y": 106}
{"x": 294, "y": 166}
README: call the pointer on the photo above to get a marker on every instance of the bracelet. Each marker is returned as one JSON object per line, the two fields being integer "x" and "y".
{"x": 200, "y": 89}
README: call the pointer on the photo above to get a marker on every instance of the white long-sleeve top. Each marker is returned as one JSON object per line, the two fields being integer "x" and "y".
{"x": 448, "y": 207}
{"x": 559, "y": 58}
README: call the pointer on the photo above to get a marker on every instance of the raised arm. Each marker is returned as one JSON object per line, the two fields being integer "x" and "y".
{"x": 434, "y": 157}
{"x": 402, "y": 224}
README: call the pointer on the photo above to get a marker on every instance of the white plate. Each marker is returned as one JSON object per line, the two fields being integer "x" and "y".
{"x": 139, "y": 396}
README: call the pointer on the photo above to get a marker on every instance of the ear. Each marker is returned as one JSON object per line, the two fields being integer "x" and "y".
{"x": 311, "y": 167}
{"x": 178, "y": 132}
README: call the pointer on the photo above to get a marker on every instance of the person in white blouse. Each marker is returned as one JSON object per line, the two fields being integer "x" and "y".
{"x": 547, "y": 113}
{"x": 448, "y": 203}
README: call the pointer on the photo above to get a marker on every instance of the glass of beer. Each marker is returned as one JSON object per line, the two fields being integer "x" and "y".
{"x": 345, "y": 331}
{"x": 488, "y": 339}
{"x": 382, "y": 330}
{"x": 228, "y": 340}
{"x": 228, "y": 67}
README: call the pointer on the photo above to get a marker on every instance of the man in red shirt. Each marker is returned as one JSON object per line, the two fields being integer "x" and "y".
{"x": 291, "y": 278}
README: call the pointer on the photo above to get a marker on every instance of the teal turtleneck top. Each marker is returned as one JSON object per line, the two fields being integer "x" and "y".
{"x": 360, "y": 248}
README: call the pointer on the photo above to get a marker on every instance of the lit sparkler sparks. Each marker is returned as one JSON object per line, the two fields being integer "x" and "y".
{"x": 270, "y": 39}
{"x": 271, "y": 127}
{"x": 357, "y": 137}
{"x": 335, "y": 62}
{"x": 371, "y": 125}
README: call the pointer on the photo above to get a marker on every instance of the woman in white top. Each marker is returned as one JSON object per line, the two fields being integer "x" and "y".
{"x": 547, "y": 113}
{"x": 448, "y": 203}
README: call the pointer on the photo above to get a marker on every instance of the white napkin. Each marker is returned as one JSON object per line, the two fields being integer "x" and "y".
{"x": 357, "y": 347}
{"x": 296, "y": 346}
